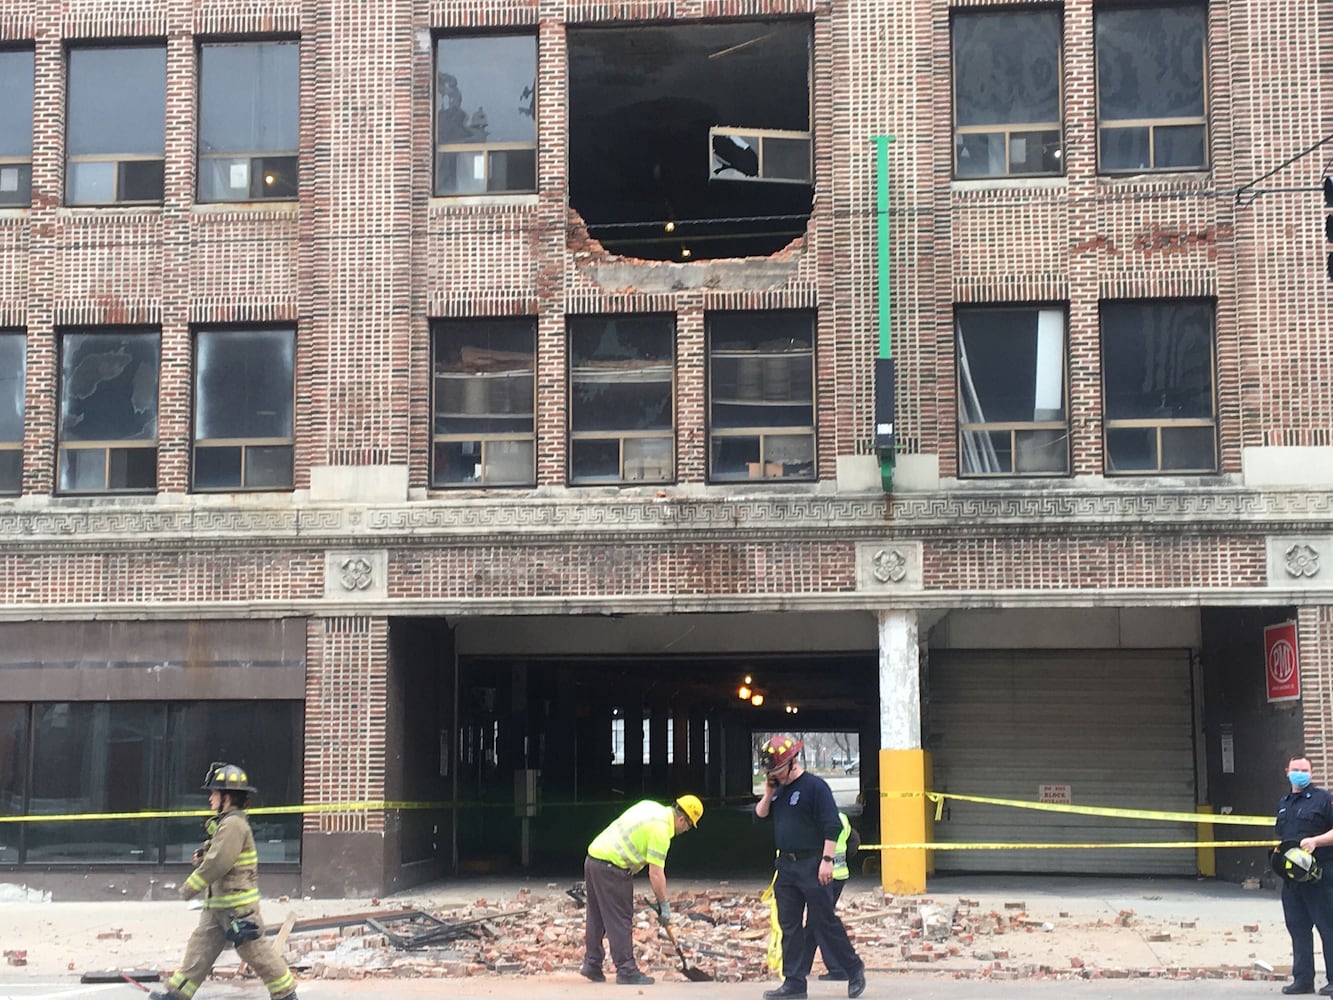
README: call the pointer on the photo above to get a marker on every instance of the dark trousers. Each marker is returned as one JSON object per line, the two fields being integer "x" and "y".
{"x": 1306, "y": 906}
{"x": 610, "y": 915}
{"x": 812, "y": 940}
{"x": 806, "y": 906}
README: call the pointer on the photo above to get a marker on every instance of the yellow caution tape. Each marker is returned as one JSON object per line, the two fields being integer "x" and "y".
{"x": 1217, "y": 819}
{"x": 311, "y": 807}
{"x": 1057, "y": 847}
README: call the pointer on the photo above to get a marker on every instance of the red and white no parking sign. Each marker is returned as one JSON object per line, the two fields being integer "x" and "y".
{"x": 1282, "y": 662}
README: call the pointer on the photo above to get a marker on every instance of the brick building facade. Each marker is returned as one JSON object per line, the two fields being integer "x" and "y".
{"x": 404, "y": 583}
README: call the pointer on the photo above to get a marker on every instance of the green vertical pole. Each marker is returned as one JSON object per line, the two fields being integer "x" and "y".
{"x": 884, "y": 417}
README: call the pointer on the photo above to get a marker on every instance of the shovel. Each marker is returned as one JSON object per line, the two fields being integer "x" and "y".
{"x": 693, "y": 975}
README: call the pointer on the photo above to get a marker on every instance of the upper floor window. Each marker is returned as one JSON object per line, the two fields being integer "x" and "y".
{"x": 1012, "y": 419}
{"x": 484, "y": 398}
{"x": 1151, "y": 86}
{"x": 243, "y": 404}
{"x": 116, "y": 127}
{"x": 485, "y": 114}
{"x": 107, "y": 437}
{"x": 1006, "y": 93}
{"x": 621, "y": 394}
{"x": 1157, "y": 371}
{"x": 248, "y": 122}
{"x": 13, "y": 352}
{"x": 761, "y": 408}
{"x": 16, "y": 69}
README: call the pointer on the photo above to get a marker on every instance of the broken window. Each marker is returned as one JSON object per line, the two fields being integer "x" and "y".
{"x": 1157, "y": 371}
{"x": 484, "y": 390}
{"x": 1012, "y": 419}
{"x": 16, "y": 81}
{"x": 116, "y": 128}
{"x": 108, "y": 412}
{"x": 621, "y": 416}
{"x": 1151, "y": 81}
{"x": 691, "y": 141}
{"x": 485, "y": 114}
{"x": 243, "y": 402}
{"x": 248, "y": 121}
{"x": 761, "y": 396}
{"x": 13, "y": 352}
{"x": 1006, "y": 74}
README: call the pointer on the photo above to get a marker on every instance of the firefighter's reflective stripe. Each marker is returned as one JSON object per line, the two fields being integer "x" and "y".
{"x": 179, "y": 984}
{"x": 196, "y": 882}
{"x": 281, "y": 986}
{"x": 233, "y": 900}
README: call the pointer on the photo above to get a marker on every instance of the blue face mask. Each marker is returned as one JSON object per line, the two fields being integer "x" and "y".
{"x": 1298, "y": 779}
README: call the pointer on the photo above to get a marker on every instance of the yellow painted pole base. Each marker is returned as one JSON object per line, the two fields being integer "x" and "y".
{"x": 903, "y": 819}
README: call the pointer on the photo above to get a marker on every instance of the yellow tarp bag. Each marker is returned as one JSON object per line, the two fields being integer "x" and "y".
{"x": 774, "y": 928}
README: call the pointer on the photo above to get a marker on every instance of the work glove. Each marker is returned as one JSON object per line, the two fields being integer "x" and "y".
{"x": 663, "y": 912}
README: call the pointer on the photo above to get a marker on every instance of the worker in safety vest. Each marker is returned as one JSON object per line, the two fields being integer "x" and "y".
{"x": 848, "y": 841}
{"x": 227, "y": 876}
{"x": 640, "y": 837}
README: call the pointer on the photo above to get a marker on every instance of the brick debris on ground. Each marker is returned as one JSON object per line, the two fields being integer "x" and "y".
{"x": 725, "y": 932}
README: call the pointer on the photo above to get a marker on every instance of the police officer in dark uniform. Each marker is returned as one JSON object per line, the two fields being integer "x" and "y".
{"x": 806, "y": 828}
{"x": 1305, "y": 817}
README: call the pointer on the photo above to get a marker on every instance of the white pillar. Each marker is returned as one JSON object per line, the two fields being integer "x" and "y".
{"x": 899, "y": 682}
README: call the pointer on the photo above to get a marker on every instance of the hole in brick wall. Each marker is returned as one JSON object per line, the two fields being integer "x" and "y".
{"x": 691, "y": 142}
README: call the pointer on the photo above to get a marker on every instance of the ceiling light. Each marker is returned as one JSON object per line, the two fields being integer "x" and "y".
{"x": 756, "y": 699}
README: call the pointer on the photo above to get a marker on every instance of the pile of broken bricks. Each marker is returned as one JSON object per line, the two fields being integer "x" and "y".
{"x": 722, "y": 932}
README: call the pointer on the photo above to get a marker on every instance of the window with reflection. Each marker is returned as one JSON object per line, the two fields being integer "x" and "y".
{"x": 1157, "y": 372}
{"x": 94, "y": 757}
{"x": 108, "y": 411}
{"x": 243, "y": 409}
{"x": 1012, "y": 419}
{"x": 16, "y": 83}
{"x": 264, "y": 738}
{"x": 621, "y": 396}
{"x": 13, "y": 355}
{"x": 1007, "y": 93}
{"x": 1151, "y": 88}
{"x": 115, "y": 129}
{"x": 249, "y": 94}
{"x": 13, "y": 776}
{"x": 63, "y": 758}
{"x": 484, "y": 399}
{"x": 761, "y": 408}
{"x": 485, "y": 114}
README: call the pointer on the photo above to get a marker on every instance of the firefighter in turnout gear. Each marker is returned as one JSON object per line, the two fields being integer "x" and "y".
{"x": 226, "y": 875}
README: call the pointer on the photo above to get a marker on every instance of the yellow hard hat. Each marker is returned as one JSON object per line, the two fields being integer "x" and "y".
{"x": 691, "y": 807}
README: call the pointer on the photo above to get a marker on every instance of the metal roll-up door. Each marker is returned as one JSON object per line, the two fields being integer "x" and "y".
{"x": 1115, "y": 728}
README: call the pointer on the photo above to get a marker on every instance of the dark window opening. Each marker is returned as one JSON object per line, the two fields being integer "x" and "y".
{"x": 691, "y": 142}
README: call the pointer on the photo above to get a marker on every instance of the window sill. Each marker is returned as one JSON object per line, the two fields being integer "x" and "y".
{"x": 284, "y": 207}
{"x": 1190, "y": 179}
{"x": 109, "y": 212}
{"x": 1046, "y": 182}
{"x": 442, "y": 204}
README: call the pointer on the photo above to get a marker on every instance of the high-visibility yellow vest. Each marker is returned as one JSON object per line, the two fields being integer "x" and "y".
{"x": 640, "y": 836}
{"x": 840, "y": 869}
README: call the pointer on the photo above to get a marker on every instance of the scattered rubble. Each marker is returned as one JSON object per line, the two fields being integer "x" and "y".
{"x": 721, "y": 932}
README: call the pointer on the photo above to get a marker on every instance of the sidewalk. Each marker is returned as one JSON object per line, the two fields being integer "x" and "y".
{"x": 1070, "y": 927}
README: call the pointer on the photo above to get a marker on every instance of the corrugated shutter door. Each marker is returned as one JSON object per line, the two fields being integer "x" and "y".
{"x": 1116, "y": 727}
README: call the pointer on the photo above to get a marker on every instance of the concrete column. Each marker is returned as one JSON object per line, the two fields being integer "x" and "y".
{"x": 903, "y": 766}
